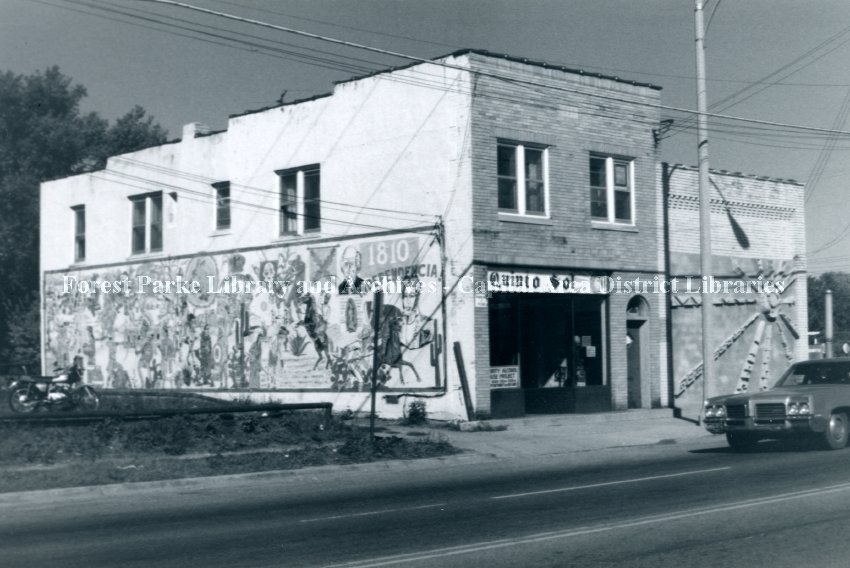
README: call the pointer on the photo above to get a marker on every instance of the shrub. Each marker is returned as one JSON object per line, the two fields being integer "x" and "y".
{"x": 417, "y": 413}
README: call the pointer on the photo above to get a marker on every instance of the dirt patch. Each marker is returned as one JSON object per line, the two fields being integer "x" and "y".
{"x": 36, "y": 456}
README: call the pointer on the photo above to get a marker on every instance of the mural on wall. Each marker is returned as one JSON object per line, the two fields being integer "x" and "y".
{"x": 754, "y": 338}
{"x": 280, "y": 318}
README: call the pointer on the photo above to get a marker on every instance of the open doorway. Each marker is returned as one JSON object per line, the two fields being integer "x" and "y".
{"x": 637, "y": 314}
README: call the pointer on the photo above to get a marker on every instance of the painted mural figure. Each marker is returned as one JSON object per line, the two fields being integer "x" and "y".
{"x": 351, "y": 283}
{"x": 255, "y": 362}
{"x": 118, "y": 377}
{"x": 316, "y": 328}
{"x": 168, "y": 351}
{"x": 402, "y": 330}
{"x": 277, "y": 352}
{"x": 190, "y": 365}
{"x": 290, "y": 269}
{"x": 205, "y": 356}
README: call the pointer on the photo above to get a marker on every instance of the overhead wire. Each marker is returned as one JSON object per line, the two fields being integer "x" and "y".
{"x": 149, "y": 185}
{"x": 294, "y": 55}
{"x": 772, "y": 128}
{"x": 499, "y": 76}
{"x": 425, "y": 81}
{"x": 336, "y": 65}
{"x": 729, "y": 100}
{"x": 829, "y": 146}
{"x": 336, "y": 25}
{"x": 206, "y": 180}
{"x": 426, "y": 77}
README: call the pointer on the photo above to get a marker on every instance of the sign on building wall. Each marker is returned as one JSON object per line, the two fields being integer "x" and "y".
{"x": 279, "y": 318}
{"x": 546, "y": 282}
{"x": 506, "y": 377}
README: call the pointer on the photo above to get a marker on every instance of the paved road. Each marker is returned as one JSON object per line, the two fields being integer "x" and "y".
{"x": 696, "y": 504}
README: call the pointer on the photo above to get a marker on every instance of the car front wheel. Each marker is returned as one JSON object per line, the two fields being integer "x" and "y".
{"x": 835, "y": 436}
{"x": 741, "y": 441}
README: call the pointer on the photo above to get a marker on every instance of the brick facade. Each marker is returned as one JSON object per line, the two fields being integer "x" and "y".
{"x": 587, "y": 115}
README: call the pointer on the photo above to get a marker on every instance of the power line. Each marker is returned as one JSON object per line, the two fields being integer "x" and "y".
{"x": 482, "y": 73}
{"x": 424, "y": 81}
{"x": 829, "y": 146}
{"x": 298, "y": 56}
{"x": 711, "y": 16}
{"x": 256, "y": 48}
{"x": 832, "y": 242}
{"x": 721, "y": 104}
{"x": 323, "y": 22}
{"x": 206, "y": 180}
{"x": 147, "y": 184}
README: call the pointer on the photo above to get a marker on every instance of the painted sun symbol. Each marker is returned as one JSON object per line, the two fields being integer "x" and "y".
{"x": 769, "y": 320}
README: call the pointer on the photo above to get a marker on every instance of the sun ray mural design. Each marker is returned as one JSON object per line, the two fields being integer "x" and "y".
{"x": 772, "y": 326}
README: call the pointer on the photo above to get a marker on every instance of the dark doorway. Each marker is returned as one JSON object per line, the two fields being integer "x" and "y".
{"x": 633, "y": 333}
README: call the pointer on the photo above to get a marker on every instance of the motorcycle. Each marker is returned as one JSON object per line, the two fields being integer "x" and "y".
{"x": 48, "y": 393}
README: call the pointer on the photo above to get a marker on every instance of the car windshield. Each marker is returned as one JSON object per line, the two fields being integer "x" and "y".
{"x": 815, "y": 374}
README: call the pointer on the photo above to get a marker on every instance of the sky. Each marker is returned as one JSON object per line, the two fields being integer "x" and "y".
{"x": 183, "y": 67}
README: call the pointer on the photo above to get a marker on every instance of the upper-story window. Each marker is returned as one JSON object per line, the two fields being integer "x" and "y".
{"x": 146, "y": 223}
{"x": 522, "y": 171}
{"x": 222, "y": 205}
{"x": 300, "y": 200}
{"x": 79, "y": 232}
{"x": 611, "y": 189}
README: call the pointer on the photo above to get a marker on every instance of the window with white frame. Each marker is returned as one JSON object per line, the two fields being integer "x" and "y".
{"x": 79, "y": 232}
{"x": 146, "y": 223}
{"x": 222, "y": 205}
{"x": 611, "y": 189}
{"x": 300, "y": 200}
{"x": 522, "y": 171}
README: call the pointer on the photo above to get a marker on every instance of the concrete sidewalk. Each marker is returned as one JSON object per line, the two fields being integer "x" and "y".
{"x": 546, "y": 435}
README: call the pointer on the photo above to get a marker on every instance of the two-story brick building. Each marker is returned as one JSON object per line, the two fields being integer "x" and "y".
{"x": 520, "y": 206}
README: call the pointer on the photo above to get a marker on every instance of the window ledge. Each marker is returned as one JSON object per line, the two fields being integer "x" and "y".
{"x": 529, "y": 219}
{"x": 146, "y": 255}
{"x": 221, "y": 233}
{"x": 607, "y": 226}
{"x": 303, "y": 236}
{"x": 287, "y": 237}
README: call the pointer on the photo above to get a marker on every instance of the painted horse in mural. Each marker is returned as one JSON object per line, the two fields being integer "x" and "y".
{"x": 316, "y": 326}
{"x": 391, "y": 347}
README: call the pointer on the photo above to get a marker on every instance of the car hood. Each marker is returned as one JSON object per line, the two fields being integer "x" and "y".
{"x": 772, "y": 394}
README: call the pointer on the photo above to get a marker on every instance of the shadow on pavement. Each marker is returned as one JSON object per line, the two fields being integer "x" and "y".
{"x": 791, "y": 445}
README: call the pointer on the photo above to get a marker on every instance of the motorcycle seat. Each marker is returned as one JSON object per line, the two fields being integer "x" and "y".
{"x": 34, "y": 379}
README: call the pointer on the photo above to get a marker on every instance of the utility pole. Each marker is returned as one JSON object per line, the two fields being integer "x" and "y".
{"x": 378, "y": 307}
{"x": 704, "y": 206}
{"x": 828, "y": 339}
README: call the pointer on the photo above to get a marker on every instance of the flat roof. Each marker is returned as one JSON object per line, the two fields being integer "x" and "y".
{"x": 515, "y": 59}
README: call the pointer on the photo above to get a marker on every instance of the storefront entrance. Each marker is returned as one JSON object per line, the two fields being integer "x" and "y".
{"x": 557, "y": 344}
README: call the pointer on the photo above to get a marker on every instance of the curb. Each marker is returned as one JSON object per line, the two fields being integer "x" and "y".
{"x": 312, "y": 473}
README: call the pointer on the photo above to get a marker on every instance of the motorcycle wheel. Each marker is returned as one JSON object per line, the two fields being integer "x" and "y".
{"x": 87, "y": 398}
{"x": 19, "y": 400}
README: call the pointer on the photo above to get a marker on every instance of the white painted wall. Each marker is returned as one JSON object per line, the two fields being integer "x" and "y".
{"x": 393, "y": 142}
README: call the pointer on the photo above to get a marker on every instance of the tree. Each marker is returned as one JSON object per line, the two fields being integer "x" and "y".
{"x": 839, "y": 283}
{"x": 43, "y": 135}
